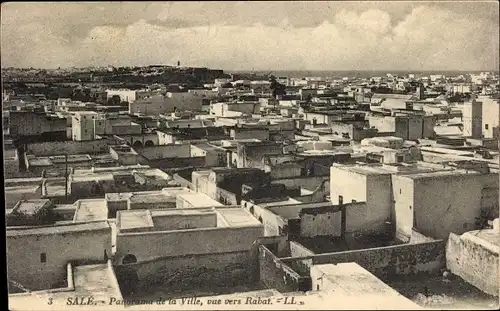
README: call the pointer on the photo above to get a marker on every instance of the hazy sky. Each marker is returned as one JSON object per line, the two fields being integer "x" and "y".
{"x": 299, "y": 35}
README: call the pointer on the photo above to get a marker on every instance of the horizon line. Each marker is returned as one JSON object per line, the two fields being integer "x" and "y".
{"x": 260, "y": 70}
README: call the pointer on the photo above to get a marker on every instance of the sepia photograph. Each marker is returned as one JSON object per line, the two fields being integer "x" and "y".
{"x": 251, "y": 155}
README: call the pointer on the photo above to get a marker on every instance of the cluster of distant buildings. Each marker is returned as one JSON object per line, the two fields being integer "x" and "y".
{"x": 335, "y": 187}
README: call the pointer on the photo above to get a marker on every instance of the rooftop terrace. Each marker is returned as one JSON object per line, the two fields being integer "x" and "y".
{"x": 91, "y": 210}
{"x": 59, "y": 229}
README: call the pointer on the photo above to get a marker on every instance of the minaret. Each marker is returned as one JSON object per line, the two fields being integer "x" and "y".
{"x": 420, "y": 91}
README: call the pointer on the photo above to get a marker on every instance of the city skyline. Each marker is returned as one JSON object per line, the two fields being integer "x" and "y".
{"x": 242, "y": 36}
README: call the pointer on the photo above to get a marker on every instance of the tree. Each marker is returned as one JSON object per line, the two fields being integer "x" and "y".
{"x": 114, "y": 100}
{"x": 276, "y": 87}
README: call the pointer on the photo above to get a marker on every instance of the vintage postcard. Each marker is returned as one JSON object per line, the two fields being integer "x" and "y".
{"x": 293, "y": 155}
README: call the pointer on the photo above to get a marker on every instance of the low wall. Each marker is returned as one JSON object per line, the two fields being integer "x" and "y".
{"x": 69, "y": 147}
{"x": 182, "y": 181}
{"x": 188, "y": 272}
{"x": 226, "y": 197}
{"x": 309, "y": 183}
{"x": 11, "y": 168}
{"x": 390, "y": 261}
{"x": 277, "y": 244}
{"x": 417, "y": 237}
{"x": 474, "y": 263}
{"x": 159, "y": 244}
{"x": 278, "y": 275}
{"x": 298, "y": 250}
{"x": 318, "y": 195}
{"x": 177, "y": 162}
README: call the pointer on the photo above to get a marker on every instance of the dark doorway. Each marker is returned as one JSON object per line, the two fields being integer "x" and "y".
{"x": 97, "y": 190}
{"x": 137, "y": 144}
{"x": 128, "y": 259}
{"x": 149, "y": 143}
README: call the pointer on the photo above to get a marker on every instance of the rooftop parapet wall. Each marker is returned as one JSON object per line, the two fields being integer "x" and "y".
{"x": 389, "y": 261}
{"x": 189, "y": 272}
{"x": 150, "y": 245}
{"x": 276, "y": 274}
{"x": 67, "y": 147}
{"x": 474, "y": 260}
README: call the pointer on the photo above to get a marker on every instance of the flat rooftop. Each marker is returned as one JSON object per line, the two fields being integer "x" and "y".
{"x": 174, "y": 191}
{"x": 40, "y": 162}
{"x": 181, "y": 211}
{"x": 292, "y": 211}
{"x": 90, "y": 210}
{"x": 237, "y": 217}
{"x": 442, "y": 173}
{"x": 152, "y": 198}
{"x": 71, "y": 158}
{"x": 288, "y": 201}
{"x": 63, "y": 229}
{"x": 58, "y": 160}
{"x": 350, "y": 279}
{"x": 196, "y": 199}
{"x": 55, "y": 188}
{"x": 21, "y": 188}
{"x": 109, "y": 173}
{"x": 438, "y": 293}
{"x": 404, "y": 169}
{"x": 98, "y": 281}
{"x": 130, "y": 220}
{"x": 31, "y": 206}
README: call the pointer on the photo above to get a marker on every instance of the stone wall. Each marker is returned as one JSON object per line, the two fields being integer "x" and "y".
{"x": 309, "y": 183}
{"x": 473, "y": 262}
{"x": 226, "y": 197}
{"x": 389, "y": 261}
{"x": 159, "y": 244}
{"x": 297, "y": 250}
{"x": 69, "y": 147}
{"x": 25, "y": 264}
{"x": 278, "y": 275}
{"x": 168, "y": 163}
{"x": 189, "y": 272}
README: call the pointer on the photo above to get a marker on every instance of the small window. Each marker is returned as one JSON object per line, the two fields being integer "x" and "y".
{"x": 317, "y": 287}
{"x": 341, "y": 199}
{"x": 486, "y": 126}
{"x": 399, "y": 191}
{"x": 410, "y": 206}
{"x": 43, "y": 257}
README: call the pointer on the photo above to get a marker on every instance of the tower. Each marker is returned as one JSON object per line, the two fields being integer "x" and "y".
{"x": 472, "y": 118}
{"x": 420, "y": 91}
